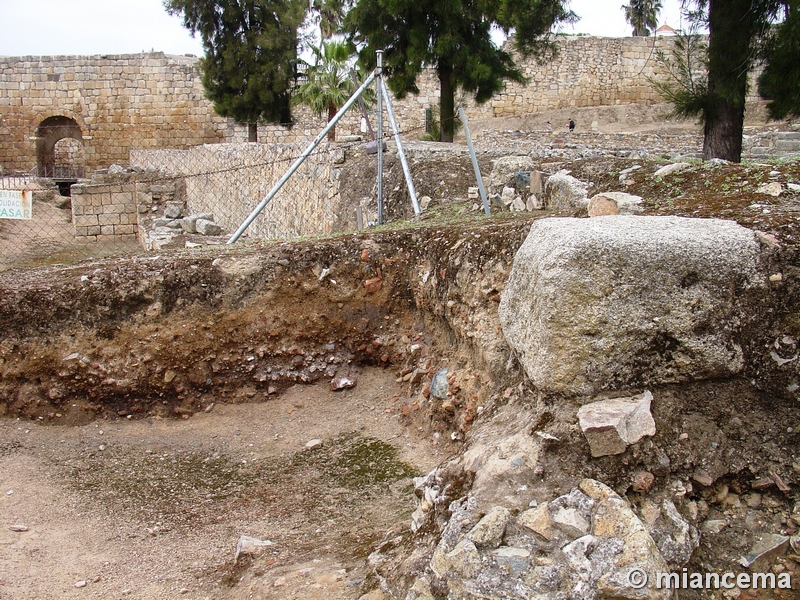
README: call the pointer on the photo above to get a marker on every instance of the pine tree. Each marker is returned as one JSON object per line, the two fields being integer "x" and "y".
{"x": 454, "y": 36}
{"x": 780, "y": 81}
{"x": 250, "y": 54}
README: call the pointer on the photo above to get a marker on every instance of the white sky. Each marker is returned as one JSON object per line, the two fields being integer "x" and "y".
{"x": 47, "y": 27}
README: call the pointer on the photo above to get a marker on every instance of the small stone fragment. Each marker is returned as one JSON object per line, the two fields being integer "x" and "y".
{"x": 80, "y": 584}
{"x": 703, "y": 478}
{"x": 249, "y": 545}
{"x": 18, "y": 528}
{"x": 490, "y": 529}
{"x": 713, "y": 526}
{"x": 539, "y": 521}
{"x": 315, "y": 443}
{"x": 373, "y": 285}
{"x": 342, "y": 383}
{"x": 643, "y": 481}
{"x": 600, "y": 206}
{"x": 513, "y": 560}
{"x": 571, "y": 522}
{"x": 610, "y": 426}
{"x": 764, "y": 552}
{"x": 439, "y": 385}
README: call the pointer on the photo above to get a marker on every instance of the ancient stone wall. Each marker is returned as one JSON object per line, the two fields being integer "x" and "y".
{"x": 103, "y": 212}
{"x": 118, "y": 102}
{"x": 98, "y": 108}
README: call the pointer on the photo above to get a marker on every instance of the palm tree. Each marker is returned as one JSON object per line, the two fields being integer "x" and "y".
{"x": 642, "y": 15}
{"x": 329, "y": 85}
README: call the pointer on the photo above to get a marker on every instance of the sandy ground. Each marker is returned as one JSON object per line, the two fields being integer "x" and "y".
{"x": 154, "y": 508}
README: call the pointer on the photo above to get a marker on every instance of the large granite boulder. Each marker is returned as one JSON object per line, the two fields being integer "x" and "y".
{"x": 624, "y": 301}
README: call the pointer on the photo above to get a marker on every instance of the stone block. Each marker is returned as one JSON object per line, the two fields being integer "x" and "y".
{"x": 85, "y": 220}
{"x": 206, "y": 227}
{"x": 564, "y": 192}
{"x": 610, "y": 426}
{"x": 787, "y": 145}
{"x": 108, "y": 219}
{"x": 624, "y": 301}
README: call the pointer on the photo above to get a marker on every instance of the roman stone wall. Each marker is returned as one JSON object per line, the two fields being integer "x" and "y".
{"x": 118, "y": 103}
{"x": 93, "y": 110}
{"x": 103, "y": 212}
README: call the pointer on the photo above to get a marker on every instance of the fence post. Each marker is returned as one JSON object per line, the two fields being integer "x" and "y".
{"x": 463, "y": 116}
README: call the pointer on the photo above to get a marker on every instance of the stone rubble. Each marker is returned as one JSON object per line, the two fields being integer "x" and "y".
{"x": 499, "y": 556}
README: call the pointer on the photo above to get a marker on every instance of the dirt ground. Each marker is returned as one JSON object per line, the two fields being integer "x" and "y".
{"x": 153, "y": 508}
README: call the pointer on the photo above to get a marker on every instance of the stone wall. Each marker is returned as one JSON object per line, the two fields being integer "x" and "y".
{"x": 112, "y": 104}
{"x": 104, "y": 212}
{"x": 229, "y": 180}
{"x": 119, "y": 102}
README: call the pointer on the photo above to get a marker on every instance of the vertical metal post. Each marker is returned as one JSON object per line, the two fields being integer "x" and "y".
{"x": 378, "y": 72}
{"x": 463, "y": 116}
{"x": 406, "y": 171}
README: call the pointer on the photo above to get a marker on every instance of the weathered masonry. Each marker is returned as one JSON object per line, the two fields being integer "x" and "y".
{"x": 72, "y": 114}
{"x": 68, "y": 114}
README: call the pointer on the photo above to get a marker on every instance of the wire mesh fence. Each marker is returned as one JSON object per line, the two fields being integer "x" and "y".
{"x": 57, "y": 207}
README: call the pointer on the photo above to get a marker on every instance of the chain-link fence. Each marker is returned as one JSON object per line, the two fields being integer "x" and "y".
{"x": 58, "y": 207}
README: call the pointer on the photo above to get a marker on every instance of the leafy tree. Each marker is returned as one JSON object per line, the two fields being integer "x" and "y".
{"x": 642, "y": 15}
{"x": 250, "y": 54}
{"x": 454, "y": 36}
{"x": 780, "y": 81}
{"x": 329, "y": 84}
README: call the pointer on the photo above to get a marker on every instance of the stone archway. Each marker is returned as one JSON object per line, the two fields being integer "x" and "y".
{"x": 67, "y": 162}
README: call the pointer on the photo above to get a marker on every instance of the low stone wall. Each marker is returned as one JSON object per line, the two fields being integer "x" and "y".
{"x": 104, "y": 212}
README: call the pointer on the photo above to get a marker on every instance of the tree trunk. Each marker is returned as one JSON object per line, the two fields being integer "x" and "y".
{"x": 446, "y": 103}
{"x": 724, "y": 124}
{"x": 332, "y": 113}
{"x": 252, "y": 132}
{"x": 732, "y": 31}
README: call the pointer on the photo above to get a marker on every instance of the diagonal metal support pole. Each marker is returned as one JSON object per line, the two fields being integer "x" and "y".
{"x": 463, "y": 116}
{"x": 409, "y": 182}
{"x": 300, "y": 160}
{"x": 379, "y": 72}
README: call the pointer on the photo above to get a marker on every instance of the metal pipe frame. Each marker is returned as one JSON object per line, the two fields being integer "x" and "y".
{"x": 302, "y": 158}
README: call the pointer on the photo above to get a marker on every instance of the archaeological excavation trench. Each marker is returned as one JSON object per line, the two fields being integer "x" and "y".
{"x": 372, "y": 410}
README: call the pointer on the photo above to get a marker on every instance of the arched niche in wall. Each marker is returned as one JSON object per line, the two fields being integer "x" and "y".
{"x": 66, "y": 160}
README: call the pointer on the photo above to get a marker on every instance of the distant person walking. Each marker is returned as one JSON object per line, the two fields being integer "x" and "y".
{"x": 549, "y": 126}
{"x": 571, "y": 125}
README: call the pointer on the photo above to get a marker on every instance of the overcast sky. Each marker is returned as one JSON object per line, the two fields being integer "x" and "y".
{"x": 47, "y": 27}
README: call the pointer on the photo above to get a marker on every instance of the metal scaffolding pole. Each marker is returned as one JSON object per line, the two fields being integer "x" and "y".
{"x": 300, "y": 160}
{"x": 462, "y": 115}
{"x": 379, "y": 74}
{"x": 409, "y": 182}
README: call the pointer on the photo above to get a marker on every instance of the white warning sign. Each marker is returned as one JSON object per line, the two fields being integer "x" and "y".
{"x": 15, "y": 204}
